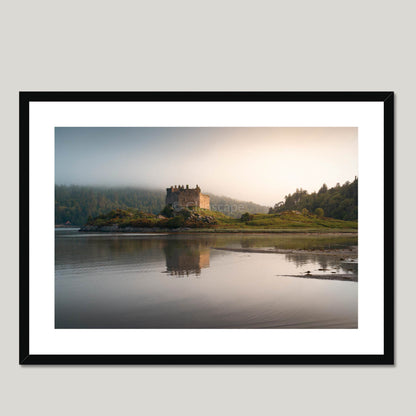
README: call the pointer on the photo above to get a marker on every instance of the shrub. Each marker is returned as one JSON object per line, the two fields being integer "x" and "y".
{"x": 163, "y": 223}
{"x": 185, "y": 213}
{"x": 246, "y": 217}
{"x": 176, "y": 222}
{"x": 141, "y": 222}
{"x": 167, "y": 211}
{"x": 319, "y": 212}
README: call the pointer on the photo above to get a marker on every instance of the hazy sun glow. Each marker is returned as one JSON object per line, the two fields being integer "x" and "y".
{"x": 253, "y": 164}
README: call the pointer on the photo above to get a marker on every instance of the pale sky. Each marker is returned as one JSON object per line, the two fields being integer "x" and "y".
{"x": 259, "y": 164}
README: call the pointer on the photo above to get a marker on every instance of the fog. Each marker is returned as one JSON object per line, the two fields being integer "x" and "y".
{"x": 253, "y": 164}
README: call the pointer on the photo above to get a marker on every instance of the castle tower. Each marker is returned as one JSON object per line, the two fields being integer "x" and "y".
{"x": 180, "y": 197}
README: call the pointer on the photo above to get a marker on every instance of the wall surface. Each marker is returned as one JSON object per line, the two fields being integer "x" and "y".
{"x": 204, "y": 201}
{"x": 216, "y": 45}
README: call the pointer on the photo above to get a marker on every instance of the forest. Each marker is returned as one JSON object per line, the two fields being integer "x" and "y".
{"x": 75, "y": 204}
{"x": 340, "y": 202}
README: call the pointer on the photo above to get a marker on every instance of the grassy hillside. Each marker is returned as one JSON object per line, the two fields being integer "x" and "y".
{"x": 290, "y": 220}
{"x": 206, "y": 220}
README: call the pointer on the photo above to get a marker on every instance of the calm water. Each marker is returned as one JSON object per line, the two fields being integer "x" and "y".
{"x": 184, "y": 281}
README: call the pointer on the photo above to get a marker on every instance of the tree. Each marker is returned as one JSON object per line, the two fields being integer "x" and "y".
{"x": 305, "y": 211}
{"x": 319, "y": 212}
{"x": 246, "y": 217}
{"x": 339, "y": 202}
{"x": 323, "y": 189}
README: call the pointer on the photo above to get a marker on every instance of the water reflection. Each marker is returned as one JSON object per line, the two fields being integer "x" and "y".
{"x": 130, "y": 281}
{"x": 188, "y": 255}
{"x": 186, "y": 258}
{"x": 326, "y": 263}
{"x": 296, "y": 241}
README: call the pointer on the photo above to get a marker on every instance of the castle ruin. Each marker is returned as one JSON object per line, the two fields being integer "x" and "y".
{"x": 180, "y": 197}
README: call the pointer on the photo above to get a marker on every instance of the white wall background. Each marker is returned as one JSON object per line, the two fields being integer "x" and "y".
{"x": 215, "y": 45}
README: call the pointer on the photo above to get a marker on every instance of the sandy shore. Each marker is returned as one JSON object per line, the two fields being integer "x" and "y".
{"x": 351, "y": 253}
{"x": 343, "y": 255}
{"x": 343, "y": 277}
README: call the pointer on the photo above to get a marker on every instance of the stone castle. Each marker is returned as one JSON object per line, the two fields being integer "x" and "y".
{"x": 184, "y": 197}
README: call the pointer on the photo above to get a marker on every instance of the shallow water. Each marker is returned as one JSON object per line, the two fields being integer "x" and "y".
{"x": 183, "y": 281}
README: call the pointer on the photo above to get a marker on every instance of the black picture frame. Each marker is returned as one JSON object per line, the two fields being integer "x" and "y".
{"x": 387, "y": 358}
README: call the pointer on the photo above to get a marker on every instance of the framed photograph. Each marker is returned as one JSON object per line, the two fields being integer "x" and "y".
{"x": 206, "y": 228}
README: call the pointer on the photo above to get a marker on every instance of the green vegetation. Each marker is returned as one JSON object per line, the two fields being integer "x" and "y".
{"x": 334, "y": 209}
{"x": 295, "y": 220}
{"x": 77, "y": 203}
{"x": 339, "y": 202}
{"x": 247, "y": 217}
{"x": 206, "y": 220}
{"x": 167, "y": 211}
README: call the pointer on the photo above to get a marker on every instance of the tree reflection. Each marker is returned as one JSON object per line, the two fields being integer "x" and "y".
{"x": 325, "y": 262}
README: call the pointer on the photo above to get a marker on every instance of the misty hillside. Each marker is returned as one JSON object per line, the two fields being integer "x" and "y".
{"x": 76, "y": 203}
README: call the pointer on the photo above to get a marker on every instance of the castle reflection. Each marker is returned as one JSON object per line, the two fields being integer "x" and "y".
{"x": 185, "y": 258}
